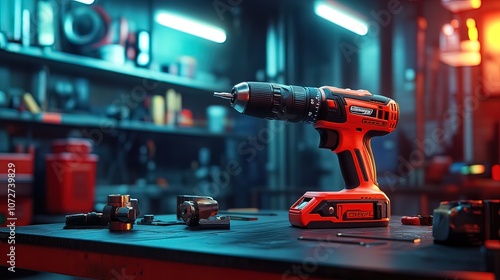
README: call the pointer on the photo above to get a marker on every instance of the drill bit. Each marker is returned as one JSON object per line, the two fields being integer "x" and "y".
{"x": 224, "y": 95}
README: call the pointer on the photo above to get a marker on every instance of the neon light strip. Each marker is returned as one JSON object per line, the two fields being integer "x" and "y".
{"x": 341, "y": 19}
{"x": 192, "y": 27}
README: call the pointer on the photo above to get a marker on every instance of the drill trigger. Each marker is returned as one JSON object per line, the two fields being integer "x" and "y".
{"x": 329, "y": 139}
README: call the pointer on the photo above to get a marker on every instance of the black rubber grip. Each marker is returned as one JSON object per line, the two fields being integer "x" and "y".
{"x": 348, "y": 169}
{"x": 261, "y": 99}
{"x": 283, "y": 102}
{"x": 361, "y": 165}
{"x": 298, "y": 108}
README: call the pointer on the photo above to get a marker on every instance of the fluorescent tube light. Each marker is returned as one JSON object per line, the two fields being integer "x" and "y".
{"x": 88, "y": 2}
{"x": 341, "y": 18}
{"x": 192, "y": 27}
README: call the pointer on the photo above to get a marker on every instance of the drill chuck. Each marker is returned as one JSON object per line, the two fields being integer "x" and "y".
{"x": 275, "y": 102}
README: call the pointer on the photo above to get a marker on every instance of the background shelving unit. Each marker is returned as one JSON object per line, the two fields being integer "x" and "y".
{"x": 120, "y": 139}
{"x": 94, "y": 67}
{"x": 84, "y": 120}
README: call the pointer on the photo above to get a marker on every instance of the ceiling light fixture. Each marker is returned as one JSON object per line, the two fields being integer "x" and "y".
{"x": 87, "y": 2}
{"x": 341, "y": 18}
{"x": 192, "y": 27}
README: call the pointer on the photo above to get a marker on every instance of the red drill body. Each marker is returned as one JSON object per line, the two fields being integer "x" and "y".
{"x": 346, "y": 120}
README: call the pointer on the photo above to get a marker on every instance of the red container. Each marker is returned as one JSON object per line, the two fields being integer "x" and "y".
{"x": 72, "y": 145}
{"x": 71, "y": 176}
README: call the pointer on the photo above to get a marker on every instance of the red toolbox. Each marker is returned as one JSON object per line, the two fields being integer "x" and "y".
{"x": 71, "y": 176}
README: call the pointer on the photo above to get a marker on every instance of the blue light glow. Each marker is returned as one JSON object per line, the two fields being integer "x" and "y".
{"x": 88, "y": 2}
{"x": 192, "y": 27}
{"x": 341, "y": 19}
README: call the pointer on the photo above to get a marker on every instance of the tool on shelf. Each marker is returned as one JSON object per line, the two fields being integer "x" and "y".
{"x": 346, "y": 120}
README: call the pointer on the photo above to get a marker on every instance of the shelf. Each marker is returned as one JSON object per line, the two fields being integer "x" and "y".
{"x": 83, "y": 120}
{"x": 104, "y": 69}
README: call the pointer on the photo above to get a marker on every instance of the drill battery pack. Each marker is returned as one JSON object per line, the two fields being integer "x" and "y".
{"x": 347, "y": 208}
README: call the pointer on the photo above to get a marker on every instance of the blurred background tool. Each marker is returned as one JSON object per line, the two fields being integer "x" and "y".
{"x": 466, "y": 222}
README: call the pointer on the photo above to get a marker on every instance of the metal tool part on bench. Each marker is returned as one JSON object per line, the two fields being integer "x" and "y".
{"x": 121, "y": 212}
{"x": 187, "y": 197}
{"x": 201, "y": 213}
{"x": 85, "y": 220}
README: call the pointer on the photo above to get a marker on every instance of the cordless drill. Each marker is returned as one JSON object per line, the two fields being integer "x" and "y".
{"x": 346, "y": 121}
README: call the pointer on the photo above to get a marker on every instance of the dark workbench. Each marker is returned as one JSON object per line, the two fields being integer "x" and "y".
{"x": 264, "y": 249}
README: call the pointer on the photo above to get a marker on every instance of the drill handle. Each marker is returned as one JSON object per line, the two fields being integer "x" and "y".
{"x": 354, "y": 153}
{"x": 358, "y": 167}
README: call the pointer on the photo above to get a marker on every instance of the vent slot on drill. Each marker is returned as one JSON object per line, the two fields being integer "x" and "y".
{"x": 361, "y": 165}
{"x": 348, "y": 169}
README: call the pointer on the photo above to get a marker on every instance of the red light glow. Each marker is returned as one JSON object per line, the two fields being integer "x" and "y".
{"x": 495, "y": 172}
{"x": 492, "y": 29}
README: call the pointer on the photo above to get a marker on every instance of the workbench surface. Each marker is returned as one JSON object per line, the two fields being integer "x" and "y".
{"x": 268, "y": 248}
